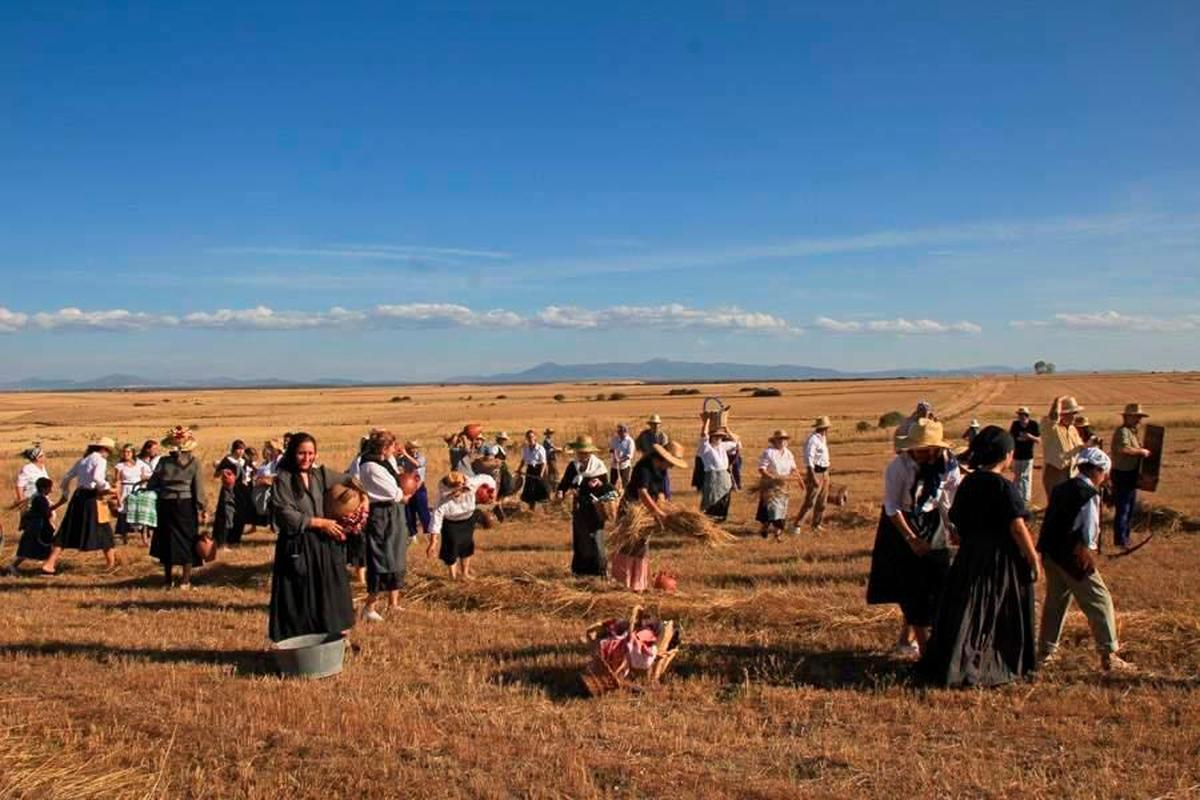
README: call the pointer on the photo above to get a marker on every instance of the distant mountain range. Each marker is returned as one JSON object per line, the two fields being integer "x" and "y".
{"x": 663, "y": 371}
{"x": 655, "y": 371}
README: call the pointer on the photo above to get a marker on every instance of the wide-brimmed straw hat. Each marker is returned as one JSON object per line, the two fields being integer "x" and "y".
{"x": 274, "y": 444}
{"x": 721, "y": 431}
{"x": 1070, "y": 406}
{"x": 1134, "y": 410}
{"x": 548, "y": 431}
{"x": 106, "y": 442}
{"x": 654, "y": 419}
{"x": 673, "y": 454}
{"x": 821, "y": 423}
{"x": 502, "y": 436}
{"x": 1081, "y": 421}
{"x": 583, "y": 444}
{"x": 924, "y": 433}
{"x": 778, "y": 435}
{"x": 412, "y": 444}
{"x": 1023, "y": 411}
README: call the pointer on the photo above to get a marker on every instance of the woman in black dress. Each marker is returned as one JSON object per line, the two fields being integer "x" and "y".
{"x": 588, "y": 477}
{"x": 310, "y": 590}
{"x": 180, "y": 507}
{"x": 983, "y": 634}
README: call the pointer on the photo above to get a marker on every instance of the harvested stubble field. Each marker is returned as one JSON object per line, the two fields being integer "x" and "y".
{"x": 114, "y": 687}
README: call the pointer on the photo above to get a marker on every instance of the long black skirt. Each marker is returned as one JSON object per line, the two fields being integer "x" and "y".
{"x": 174, "y": 541}
{"x": 37, "y": 536}
{"x": 458, "y": 539}
{"x": 356, "y": 555}
{"x": 983, "y": 633}
{"x": 535, "y": 490}
{"x": 385, "y": 543}
{"x": 587, "y": 544}
{"x": 898, "y": 575}
{"x": 310, "y": 589}
{"x": 80, "y": 529}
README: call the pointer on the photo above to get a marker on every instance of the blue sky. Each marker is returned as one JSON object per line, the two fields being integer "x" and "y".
{"x": 409, "y": 191}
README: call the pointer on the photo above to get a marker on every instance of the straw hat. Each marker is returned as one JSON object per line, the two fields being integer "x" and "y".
{"x": 583, "y": 444}
{"x": 822, "y": 423}
{"x": 654, "y": 419}
{"x": 502, "y": 436}
{"x": 1023, "y": 411}
{"x": 104, "y": 441}
{"x": 1081, "y": 421}
{"x": 721, "y": 431}
{"x": 454, "y": 480}
{"x": 778, "y": 435}
{"x": 1134, "y": 410}
{"x": 548, "y": 432}
{"x": 673, "y": 454}
{"x": 412, "y": 444}
{"x": 924, "y": 433}
{"x": 274, "y": 444}
{"x": 1070, "y": 406}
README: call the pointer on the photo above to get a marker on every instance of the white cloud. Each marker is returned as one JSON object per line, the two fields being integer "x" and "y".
{"x": 11, "y": 321}
{"x": 447, "y": 314}
{"x": 899, "y": 326}
{"x": 415, "y": 315}
{"x": 117, "y": 319}
{"x": 1115, "y": 321}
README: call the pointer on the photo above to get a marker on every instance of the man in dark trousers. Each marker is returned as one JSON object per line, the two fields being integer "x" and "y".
{"x": 1127, "y": 454}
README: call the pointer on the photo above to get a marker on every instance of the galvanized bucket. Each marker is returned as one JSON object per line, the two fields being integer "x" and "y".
{"x": 314, "y": 655}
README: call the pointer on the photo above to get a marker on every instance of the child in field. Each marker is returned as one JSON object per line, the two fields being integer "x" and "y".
{"x": 37, "y": 527}
{"x": 454, "y": 521}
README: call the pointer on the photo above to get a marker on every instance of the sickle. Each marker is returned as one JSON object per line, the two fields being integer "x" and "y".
{"x": 1130, "y": 551}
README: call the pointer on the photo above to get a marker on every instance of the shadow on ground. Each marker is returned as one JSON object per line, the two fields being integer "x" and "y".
{"x": 243, "y": 662}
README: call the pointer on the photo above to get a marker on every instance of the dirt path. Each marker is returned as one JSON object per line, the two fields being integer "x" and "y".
{"x": 975, "y": 395}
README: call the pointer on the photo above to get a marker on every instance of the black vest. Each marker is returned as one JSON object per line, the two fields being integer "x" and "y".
{"x": 1059, "y": 536}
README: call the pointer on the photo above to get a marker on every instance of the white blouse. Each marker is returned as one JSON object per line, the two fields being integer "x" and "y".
{"x": 89, "y": 471}
{"x": 379, "y": 484}
{"x": 715, "y": 457}
{"x": 131, "y": 476}
{"x": 28, "y": 477}
{"x": 533, "y": 455}
{"x": 458, "y": 506}
{"x": 779, "y": 462}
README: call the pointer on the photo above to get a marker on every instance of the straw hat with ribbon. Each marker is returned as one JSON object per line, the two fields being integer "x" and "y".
{"x": 822, "y": 423}
{"x": 179, "y": 438}
{"x": 924, "y": 433}
{"x": 673, "y": 454}
{"x": 779, "y": 435}
{"x": 1134, "y": 410}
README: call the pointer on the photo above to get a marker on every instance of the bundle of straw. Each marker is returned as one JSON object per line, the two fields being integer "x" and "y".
{"x": 637, "y": 525}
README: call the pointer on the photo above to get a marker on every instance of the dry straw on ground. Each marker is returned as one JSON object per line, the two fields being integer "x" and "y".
{"x": 114, "y": 687}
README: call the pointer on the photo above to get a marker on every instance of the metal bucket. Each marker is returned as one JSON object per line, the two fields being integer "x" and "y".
{"x": 314, "y": 655}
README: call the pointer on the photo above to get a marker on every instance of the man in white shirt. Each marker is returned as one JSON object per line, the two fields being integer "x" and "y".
{"x": 816, "y": 475}
{"x": 713, "y": 452}
{"x": 620, "y": 450}
{"x": 775, "y": 467}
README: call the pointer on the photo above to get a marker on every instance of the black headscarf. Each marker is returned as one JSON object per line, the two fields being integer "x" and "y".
{"x": 990, "y": 446}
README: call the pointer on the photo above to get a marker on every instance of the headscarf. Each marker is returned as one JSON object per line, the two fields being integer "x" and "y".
{"x": 594, "y": 468}
{"x": 33, "y": 453}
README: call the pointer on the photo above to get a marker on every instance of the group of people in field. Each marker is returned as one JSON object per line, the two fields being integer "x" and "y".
{"x": 955, "y": 551}
{"x": 953, "y": 547}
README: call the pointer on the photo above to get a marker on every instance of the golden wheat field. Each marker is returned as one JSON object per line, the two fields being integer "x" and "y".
{"x": 114, "y": 687}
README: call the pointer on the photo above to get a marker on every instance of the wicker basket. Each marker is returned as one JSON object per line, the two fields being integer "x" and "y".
{"x": 600, "y": 678}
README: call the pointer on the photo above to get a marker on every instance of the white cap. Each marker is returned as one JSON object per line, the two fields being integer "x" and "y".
{"x": 1094, "y": 457}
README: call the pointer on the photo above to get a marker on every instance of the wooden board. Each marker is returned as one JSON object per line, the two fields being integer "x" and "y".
{"x": 1152, "y": 440}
